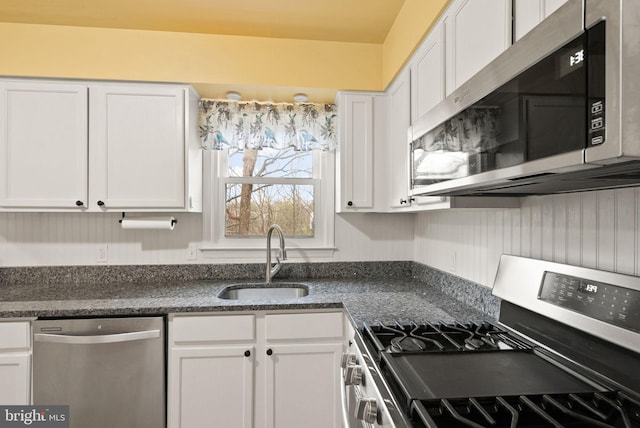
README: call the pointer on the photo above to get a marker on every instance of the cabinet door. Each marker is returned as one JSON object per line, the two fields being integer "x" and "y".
{"x": 15, "y": 378}
{"x": 356, "y": 152}
{"x": 43, "y": 145}
{"x": 529, "y": 13}
{"x": 428, "y": 74}
{"x": 302, "y": 386}
{"x": 477, "y": 31}
{"x": 137, "y": 157}
{"x": 211, "y": 387}
{"x": 399, "y": 94}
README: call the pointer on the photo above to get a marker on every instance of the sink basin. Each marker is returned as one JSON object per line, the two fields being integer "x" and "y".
{"x": 262, "y": 291}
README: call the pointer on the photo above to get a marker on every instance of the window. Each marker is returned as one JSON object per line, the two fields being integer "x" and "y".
{"x": 268, "y": 186}
{"x": 269, "y": 164}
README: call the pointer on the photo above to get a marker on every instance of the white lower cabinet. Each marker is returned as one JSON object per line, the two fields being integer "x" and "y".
{"x": 211, "y": 386}
{"x": 262, "y": 369}
{"x": 301, "y": 386}
{"x": 15, "y": 363}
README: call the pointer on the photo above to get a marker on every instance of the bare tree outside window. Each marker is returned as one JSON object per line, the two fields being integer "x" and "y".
{"x": 252, "y": 206}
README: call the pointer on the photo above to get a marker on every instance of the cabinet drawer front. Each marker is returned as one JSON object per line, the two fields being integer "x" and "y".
{"x": 214, "y": 328}
{"x": 305, "y": 326}
{"x": 14, "y": 336}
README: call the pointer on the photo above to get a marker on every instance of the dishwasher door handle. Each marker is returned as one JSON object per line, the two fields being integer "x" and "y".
{"x": 101, "y": 338}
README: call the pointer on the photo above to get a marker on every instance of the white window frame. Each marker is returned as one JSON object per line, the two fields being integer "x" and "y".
{"x": 219, "y": 246}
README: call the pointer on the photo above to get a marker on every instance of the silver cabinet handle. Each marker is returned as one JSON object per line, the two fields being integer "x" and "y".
{"x": 90, "y": 340}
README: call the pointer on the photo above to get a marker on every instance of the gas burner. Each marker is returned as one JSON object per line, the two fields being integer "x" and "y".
{"x": 407, "y": 344}
{"x": 413, "y": 342}
{"x": 474, "y": 343}
{"x": 483, "y": 338}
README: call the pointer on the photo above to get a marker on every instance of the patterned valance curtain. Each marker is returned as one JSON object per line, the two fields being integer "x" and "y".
{"x": 257, "y": 125}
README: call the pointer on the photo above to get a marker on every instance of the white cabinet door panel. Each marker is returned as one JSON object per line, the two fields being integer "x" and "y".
{"x": 477, "y": 31}
{"x": 43, "y": 145}
{"x": 137, "y": 142}
{"x": 356, "y": 152}
{"x": 529, "y": 13}
{"x": 428, "y": 74}
{"x": 15, "y": 378}
{"x": 399, "y": 94}
{"x": 302, "y": 384}
{"x": 211, "y": 387}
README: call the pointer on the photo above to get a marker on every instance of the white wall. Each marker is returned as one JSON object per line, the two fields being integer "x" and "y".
{"x": 592, "y": 229}
{"x": 49, "y": 239}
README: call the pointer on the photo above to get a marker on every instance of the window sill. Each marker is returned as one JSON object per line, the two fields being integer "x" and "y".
{"x": 247, "y": 253}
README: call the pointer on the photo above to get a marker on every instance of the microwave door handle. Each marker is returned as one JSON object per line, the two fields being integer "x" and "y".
{"x": 91, "y": 340}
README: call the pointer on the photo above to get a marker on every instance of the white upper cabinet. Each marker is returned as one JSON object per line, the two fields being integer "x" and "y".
{"x": 399, "y": 120}
{"x": 137, "y": 147}
{"x": 362, "y": 171}
{"x": 428, "y": 73}
{"x": 89, "y": 146}
{"x": 476, "y": 32}
{"x": 43, "y": 145}
{"x": 529, "y": 13}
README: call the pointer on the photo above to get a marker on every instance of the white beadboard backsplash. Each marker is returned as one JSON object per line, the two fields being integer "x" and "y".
{"x": 54, "y": 239}
{"x": 591, "y": 229}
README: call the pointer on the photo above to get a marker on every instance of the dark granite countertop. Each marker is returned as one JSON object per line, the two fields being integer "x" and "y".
{"x": 365, "y": 299}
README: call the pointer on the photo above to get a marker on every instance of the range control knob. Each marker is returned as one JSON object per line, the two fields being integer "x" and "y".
{"x": 353, "y": 375}
{"x": 348, "y": 359}
{"x": 367, "y": 410}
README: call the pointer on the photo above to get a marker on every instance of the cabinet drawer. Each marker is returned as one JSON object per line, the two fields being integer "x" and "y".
{"x": 14, "y": 336}
{"x": 214, "y": 328}
{"x": 305, "y": 326}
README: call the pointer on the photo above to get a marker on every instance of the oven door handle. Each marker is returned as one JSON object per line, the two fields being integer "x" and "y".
{"x": 343, "y": 400}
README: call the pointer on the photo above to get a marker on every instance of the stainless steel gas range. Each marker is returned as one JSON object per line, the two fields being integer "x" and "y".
{"x": 564, "y": 353}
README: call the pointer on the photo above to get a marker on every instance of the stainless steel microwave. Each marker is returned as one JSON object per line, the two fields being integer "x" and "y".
{"x": 559, "y": 111}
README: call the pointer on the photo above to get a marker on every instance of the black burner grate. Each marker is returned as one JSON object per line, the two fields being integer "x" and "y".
{"x": 584, "y": 410}
{"x": 428, "y": 337}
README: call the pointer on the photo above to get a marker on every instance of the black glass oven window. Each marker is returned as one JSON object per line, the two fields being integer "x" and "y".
{"x": 606, "y": 302}
{"x": 540, "y": 113}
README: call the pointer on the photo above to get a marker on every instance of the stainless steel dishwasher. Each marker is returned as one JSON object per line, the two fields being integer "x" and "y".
{"x": 110, "y": 371}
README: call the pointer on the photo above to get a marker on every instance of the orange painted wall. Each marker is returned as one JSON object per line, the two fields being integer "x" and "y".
{"x": 99, "y": 53}
{"x": 412, "y": 24}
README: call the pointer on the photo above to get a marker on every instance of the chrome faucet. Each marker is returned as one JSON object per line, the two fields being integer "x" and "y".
{"x": 282, "y": 255}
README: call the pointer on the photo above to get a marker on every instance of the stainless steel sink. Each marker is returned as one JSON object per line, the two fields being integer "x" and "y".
{"x": 262, "y": 291}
